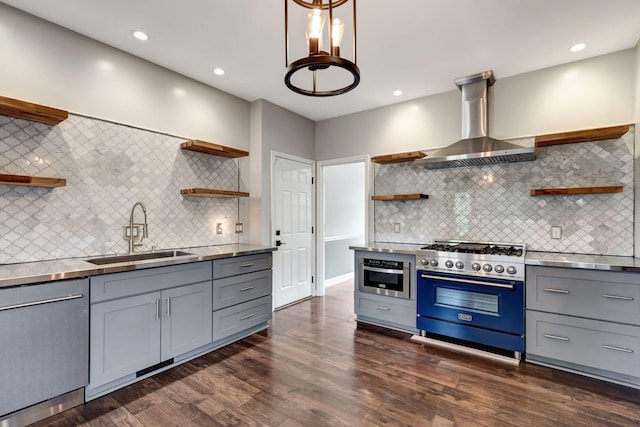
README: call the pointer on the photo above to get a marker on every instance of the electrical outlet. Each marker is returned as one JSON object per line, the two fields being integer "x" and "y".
{"x": 396, "y": 227}
{"x": 239, "y": 227}
{"x": 556, "y": 232}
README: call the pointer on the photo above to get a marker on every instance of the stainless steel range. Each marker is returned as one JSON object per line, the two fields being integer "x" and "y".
{"x": 474, "y": 292}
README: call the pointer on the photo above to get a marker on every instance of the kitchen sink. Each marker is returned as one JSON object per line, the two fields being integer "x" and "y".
{"x": 115, "y": 259}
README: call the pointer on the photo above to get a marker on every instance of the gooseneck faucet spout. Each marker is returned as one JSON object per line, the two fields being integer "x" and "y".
{"x": 145, "y": 228}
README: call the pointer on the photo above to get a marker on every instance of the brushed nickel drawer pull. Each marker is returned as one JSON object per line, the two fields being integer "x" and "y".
{"x": 249, "y": 264}
{"x": 556, "y": 337}
{"x": 617, "y": 297}
{"x": 611, "y": 347}
{"x": 168, "y": 306}
{"x": 557, "y": 291}
{"x": 383, "y": 308}
{"x": 247, "y": 288}
{"x": 157, "y": 309}
{"x": 46, "y": 301}
{"x": 248, "y": 316}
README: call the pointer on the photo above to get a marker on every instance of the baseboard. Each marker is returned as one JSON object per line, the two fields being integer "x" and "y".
{"x": 338, "y": 279}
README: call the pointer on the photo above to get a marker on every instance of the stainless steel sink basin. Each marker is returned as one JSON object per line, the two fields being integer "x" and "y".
{"x": 115, "y": 259}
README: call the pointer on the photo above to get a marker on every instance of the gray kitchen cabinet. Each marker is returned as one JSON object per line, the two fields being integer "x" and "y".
{"x": 382, "y": 310}
{"x": 142, "y": 320}
{"x": 43, "y": 344}
{"x": 584, "y": 321}
{"x": 242, "y": 302}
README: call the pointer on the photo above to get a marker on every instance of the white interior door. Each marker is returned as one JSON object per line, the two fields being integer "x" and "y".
{"x": 292, "y": 232}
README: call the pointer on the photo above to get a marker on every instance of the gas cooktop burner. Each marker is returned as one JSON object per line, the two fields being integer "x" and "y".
{"x": 476, "y": 248}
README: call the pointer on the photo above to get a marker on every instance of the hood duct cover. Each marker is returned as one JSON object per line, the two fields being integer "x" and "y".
{"x": 476, "y": 148}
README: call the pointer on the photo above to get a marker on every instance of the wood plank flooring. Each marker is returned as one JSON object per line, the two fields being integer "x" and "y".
{"x": 314, "y": 367}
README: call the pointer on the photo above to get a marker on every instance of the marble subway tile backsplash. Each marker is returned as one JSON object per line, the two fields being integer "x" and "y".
{"x": 492, "y": 203}
{"x": 108, "y": 168}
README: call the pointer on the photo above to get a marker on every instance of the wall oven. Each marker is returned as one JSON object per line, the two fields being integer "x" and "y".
{"x": 473, "y": 296}
{"x": 384, "y": 276}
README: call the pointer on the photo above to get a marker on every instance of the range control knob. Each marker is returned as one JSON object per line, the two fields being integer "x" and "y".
{"x": 433, "y": 262}
{"x": 511, "y": 269}
{"x": 449, "y": 263}
{"x": 459, "y": 265}
{"x": 424, "y": 261}
{"x": 475, "y": 266}
{"x": 499, "y": 268}
{"x": 487, "y": 267}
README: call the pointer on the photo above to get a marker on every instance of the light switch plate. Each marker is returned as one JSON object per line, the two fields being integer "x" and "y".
{"x": 396, "y": 227}
{"x": 556, "y": 232}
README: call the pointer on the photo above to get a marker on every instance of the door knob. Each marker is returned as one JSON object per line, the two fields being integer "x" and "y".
{"x": 279, "y": 243}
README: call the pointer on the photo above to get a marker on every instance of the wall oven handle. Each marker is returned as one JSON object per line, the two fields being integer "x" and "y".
{"x": 383, "y": 270}
{"x": 470, "y": 282}
{"x": 47, "y": 301}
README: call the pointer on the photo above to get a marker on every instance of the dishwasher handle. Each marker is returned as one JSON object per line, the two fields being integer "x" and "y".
{"x": 45, "y": 301}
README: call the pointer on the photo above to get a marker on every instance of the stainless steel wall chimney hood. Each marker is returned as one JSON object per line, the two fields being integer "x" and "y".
{"x": 476, "y": 148}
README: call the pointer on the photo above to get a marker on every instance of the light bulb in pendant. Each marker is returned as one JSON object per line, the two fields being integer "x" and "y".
{"x": 315, "y": 25}
{"x": 337, "y": 31}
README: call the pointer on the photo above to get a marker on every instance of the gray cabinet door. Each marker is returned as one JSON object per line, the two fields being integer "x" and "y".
{"x": 125, "y": 337}
{"x": 186, "y": 319}
{"x": 240, "y": 317}
{"x": 238, "y": 289}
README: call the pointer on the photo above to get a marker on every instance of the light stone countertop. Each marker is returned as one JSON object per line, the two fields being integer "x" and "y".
{"x": 545, "y": 259}
{"x": 71, "y": 268}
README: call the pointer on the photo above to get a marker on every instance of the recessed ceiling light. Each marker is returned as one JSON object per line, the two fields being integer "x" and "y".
{"x": 218, "y": 71}
{"x": 577, "y": 47}
{"x": 397, "y": 92}
{"x": 140, "y": 35}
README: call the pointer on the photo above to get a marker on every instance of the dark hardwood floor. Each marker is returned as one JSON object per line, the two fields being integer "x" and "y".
{"x": 314, "y": 367}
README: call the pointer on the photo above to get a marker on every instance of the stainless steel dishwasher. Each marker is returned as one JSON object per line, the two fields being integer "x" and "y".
{"x": 44, "y": 342}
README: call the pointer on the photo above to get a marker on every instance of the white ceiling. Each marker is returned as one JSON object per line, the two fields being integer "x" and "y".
{"x": 418, "y": 46}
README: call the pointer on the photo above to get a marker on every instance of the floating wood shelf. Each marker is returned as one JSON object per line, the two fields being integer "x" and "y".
{"x": 205, "y": 192}
{"x": 214, "y": 149}
{"x": 389, "y": 197}
{"x": 588, "y": 135}
{"x": 29, "y": 111}
{"x": 578, "y": 190}
{"x": 31, "y": 181}
{"x": 399, "y": 157}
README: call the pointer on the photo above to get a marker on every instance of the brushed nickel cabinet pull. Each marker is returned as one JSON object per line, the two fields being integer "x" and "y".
{"x": 556, "y": 337}
{"x": 617, "y": 297}
{"x": 557, "y": 291}
{"x": 249, "y": 264}
{"x": 612, "y": 347}
{"x": 246, "y": 317}
{"x": 46, "y": 301}
{"x": 168, "y": 306}
{"x": 248, "y": 288}
{"x": 383, "y": 308}
{"x": 157, "y": 309}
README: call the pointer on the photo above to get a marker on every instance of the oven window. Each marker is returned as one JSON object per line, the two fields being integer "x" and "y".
{"x": 466, "y": 299}
{"x": 388, "y": 281}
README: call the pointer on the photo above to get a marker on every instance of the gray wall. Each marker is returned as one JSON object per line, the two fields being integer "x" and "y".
{"x": 344, "y": 216}
{"x": 581, "y": 95}
{"x": 272, "y": 129}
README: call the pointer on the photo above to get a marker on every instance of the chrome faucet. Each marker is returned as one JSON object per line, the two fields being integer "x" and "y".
{"x": 145, "y": 228}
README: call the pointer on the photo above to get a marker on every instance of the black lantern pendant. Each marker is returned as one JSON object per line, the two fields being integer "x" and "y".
{"x": 319, "y": 59}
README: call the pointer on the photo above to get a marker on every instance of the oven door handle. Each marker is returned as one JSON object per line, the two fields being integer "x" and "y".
{"x": 383, "y": 270}
{"x": 470, "y": 282}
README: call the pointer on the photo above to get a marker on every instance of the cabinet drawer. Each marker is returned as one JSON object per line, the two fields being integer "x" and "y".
{"x": 117, "y": 285}
{"x": 238, "y": 318}
{"x": 238, "y": 289}
{"x": 386, "y": 309}
{"x": 590, "y": 343}
{"x": 610, "y": 295}
{"x": 239, "y": 265}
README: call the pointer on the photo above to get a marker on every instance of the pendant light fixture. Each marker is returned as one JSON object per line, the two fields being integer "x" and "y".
{"x": 320, "y": 61}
